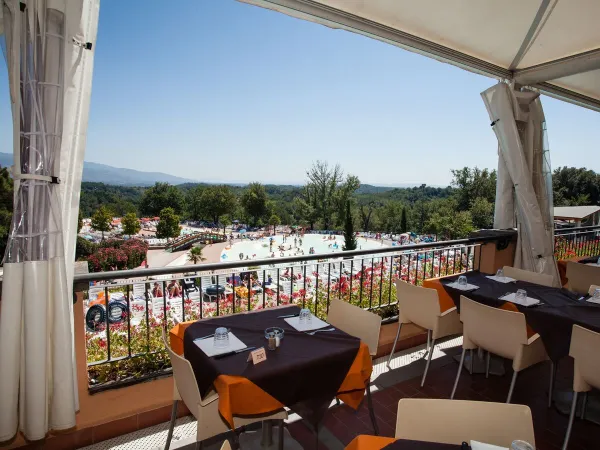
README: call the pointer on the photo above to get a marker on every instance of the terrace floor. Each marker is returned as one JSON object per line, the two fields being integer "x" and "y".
{"x": 342, "y": 423}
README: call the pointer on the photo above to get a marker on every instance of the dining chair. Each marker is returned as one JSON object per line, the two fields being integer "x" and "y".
{"x": 226, "y": 446}
{"x": 503, "y": 333}
{"x": 593, "y": 288}
{"x": 581, "y": 276}
{"x": 362, "y": 324}
{"x": 526, "y": 275}
{"x": 421, "y": 306}
{"x": 584, "y": 345}
{"x": 205, "y": 409}
{"x": 454, "y": 421}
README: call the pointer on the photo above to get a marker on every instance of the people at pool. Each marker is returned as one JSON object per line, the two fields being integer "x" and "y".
{"x": 156, "y": 290}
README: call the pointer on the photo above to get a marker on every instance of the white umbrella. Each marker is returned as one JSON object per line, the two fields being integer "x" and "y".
{"x": 49, "y": 53}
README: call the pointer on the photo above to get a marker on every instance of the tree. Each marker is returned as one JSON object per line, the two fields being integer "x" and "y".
{"x": 482, "y": 213}
{"x": 79, "y": 222}
{"x": 161, "y": 196}
{"x": 447, "y": 222}
{"x": 101, "y": 220}
{"x": 217, "y": 201}
{"x": 366, "y": 213}
{"x": 403, "y": 222}
{"x": 255, "y": 202}
{"x": 195, "y": 255}
{"x": 131, "y": 224}
{"x": 6, "y": 208}
{"x": 575, "y": 187}
{"x": 168, "y": 225}
{"x": 274, "y": 220}
{"x": 349, "y": 236}
{"x": 473, "y": 183}
{"x": 194, "y": 203}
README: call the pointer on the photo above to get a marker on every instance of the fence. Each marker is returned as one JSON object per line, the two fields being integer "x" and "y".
{"x": 573, "y": 242}
{"x": 126, "y": 310}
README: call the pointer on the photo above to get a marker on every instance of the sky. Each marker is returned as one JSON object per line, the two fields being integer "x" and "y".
{"x": 220, "y": 91}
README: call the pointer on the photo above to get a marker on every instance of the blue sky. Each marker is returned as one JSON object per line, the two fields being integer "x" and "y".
{"x": 223, "y": 91}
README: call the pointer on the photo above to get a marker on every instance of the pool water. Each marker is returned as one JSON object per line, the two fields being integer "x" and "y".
{"x": 259, "y": 249}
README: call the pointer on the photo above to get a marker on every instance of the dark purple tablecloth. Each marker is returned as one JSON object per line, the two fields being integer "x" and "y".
{"x": 304, "y": 373}
{"x": 553, "y": 320}
{"x": 405, "y": 444}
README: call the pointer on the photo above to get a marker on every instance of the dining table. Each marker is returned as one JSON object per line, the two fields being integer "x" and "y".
{"x": 552, "y": 318}
{"x": 305, "y": 373}
{"x": 367, "y": 442}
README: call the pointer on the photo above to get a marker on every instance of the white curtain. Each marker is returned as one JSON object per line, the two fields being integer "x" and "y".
{"x": 50, "y": 63}
{"x": 524, "y": 187}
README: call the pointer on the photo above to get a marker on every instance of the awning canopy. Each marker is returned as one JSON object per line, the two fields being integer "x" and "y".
{"x": 545, "y": 44}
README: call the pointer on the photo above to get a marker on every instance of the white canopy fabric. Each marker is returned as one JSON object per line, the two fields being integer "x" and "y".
{"x": 523, "y": 165}
{"x": 49, "y": 53}
{"x": 550, "y": 45}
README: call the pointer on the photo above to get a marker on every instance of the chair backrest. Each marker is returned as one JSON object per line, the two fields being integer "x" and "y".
{"x": 581, "y": 276}
{"x": 184, "y": 378}
{"x": 526, "y": 275}
{"x": 584, "y": 350}
{"x": 455, "y": 421}
{"x": 496, "y": 330}
{"x": 418, "y": 305}
{"x": 355, "y": 321}
{"x": 226, "y": 446}
{"x": 593, "y": 288}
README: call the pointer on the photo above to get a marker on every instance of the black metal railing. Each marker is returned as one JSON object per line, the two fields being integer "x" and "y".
{"x": 574, "y": 242}
{"x": 126, "y": 310}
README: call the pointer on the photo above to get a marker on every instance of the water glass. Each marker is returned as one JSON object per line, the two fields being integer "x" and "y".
{"x": 521, "y": 445}
{"x": 596, "y": 294}
{"x": 521, "y": 295}
{"x": 221, "y": 337}
{"x": 462, "y": 281}
{"x": 500, "y": 273}
{"x": 305, "y": 316}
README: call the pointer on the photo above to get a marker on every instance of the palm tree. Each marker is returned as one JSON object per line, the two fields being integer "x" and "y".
{"x": 195, "y": 255}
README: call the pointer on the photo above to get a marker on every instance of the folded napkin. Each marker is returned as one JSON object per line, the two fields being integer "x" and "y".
{"x": 593, "y": 300}
{"x": 483, "y": 446}
{"x": 468, "y": 287}
{"x": 501, "y": 279}
{"x": 314, "y": 324}
{"x": 208, "y": 345}
{"x": 513, "y": 299}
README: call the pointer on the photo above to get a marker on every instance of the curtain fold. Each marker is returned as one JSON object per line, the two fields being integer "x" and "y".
{"x": 47, "y": 64}
{"x": 524, "y": 178}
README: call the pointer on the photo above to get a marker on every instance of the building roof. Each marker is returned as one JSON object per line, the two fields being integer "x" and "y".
{"x": 574, "y": 212}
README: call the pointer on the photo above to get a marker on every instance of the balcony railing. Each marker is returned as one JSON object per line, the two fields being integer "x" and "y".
{"x": 133, "y": 305}
{"x": 573, "y": 242}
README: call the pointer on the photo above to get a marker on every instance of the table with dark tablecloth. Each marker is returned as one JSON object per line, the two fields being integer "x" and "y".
{"x": 305, "y": 373}
{"x": 553, "y": 320}
{"x": 366, "y": 442}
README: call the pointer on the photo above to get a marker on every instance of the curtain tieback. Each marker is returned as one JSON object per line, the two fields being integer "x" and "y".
{"x": 30, "y": 176}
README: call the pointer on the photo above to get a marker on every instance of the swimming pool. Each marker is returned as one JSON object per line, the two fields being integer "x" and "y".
{"x": 260, "y": 249}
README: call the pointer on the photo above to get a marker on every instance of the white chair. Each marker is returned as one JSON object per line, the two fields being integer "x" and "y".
{"x": 362, "y": 324}
{"x": 421, "y": 306}
{"x": 205, "y": 410}
{"x": 581, "y": 276}
{"x": 526, "y": 275}
{"x": 584, "y": 345}
{"x": 502, "y": 333}
{"x": 455, "y": 421}
{"x": 593, "y": 288}
{"x": 226, "y": 446}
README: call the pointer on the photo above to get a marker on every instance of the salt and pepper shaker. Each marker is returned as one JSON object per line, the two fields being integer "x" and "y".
{"x": 272, "y": 341}
{"x": 277, "y": 339}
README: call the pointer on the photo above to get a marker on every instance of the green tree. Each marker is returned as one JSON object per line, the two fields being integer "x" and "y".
{"x": 131, "y": 224}
{"x": 575, "y": 187}
{"x": 217, "y": 201}
{"x": 255, "y": 202}
{"x": 161, "y": 196}
{"x": 274, "y": 220}
{"x": 194, "y": 203}
{"x": 473, "y": 183}
{"x": 168, "y": 225}
{"x": 101, "y": 220}
{"x": 448, "y": 223}
{"x": 6, "y": 208}
{"x": 79, "y": 222}
{"x": 482, "y": 213}
{"x": 403, "y": 221}
{"x": 195, "y": 255}
{"x": 349, "y": 236}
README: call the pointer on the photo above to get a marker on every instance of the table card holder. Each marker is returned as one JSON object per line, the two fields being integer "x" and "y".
{"x": 257, "y": 356}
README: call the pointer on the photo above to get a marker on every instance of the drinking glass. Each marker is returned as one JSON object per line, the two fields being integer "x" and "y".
{"x": 305, "y": 316}
{"x": 597, "y": 294}
{"x": 521, "y": 295}
{"x": 221, "y": 337}
{"x": 500, "y": 273}
{"x": 462, "y": 281}
{"x": 521, "y": 445}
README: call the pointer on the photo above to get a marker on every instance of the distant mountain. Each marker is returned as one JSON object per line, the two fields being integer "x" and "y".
{"x": 101, "y": 173}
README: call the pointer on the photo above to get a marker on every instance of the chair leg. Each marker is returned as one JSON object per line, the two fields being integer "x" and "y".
{"x": 428, "y": 362}
{"x": 512, "y": 386}
{"x": 460, "y": 365}
{"x": 199, "y": 445}
{"x": 471, "y": 362}
{"x": 583, "y": 405}
{"x": 571, "y": 417}
{"x": 428, "y": 343}
{"x": 371, "y": 411}
{"x": 394, "y": 346}
{"x": 172, "y": 424}
{"x": 280, "y": 434}
{"x": 552, "y": 378}
{"x": 487, "y": 365}
{"x": 317, "y": 436}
